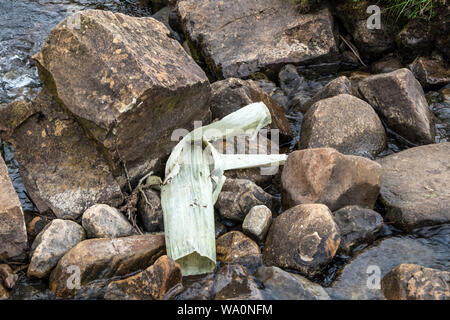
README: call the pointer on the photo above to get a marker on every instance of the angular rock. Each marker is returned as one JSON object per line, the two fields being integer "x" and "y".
{"x": 304, "y": 238}
{"x": 198, "y": 288}
{"x": 345, "y": 123}
{"x": 414, "y": 282}
{"x": 282, "y": 285}
{"x": 12, "y": 115}
{"x": 357, "y": 226}
{"x": 238, "y": 196}
{"x": 416, "y": 186}
{"x": 151, "y": 284}
{"x": 430, "y": 71}
{"x": 61, "y": 168}
{"x": 58, "y": 237}
{"x": 371, "y": 43}
{"x": 150, "y": 211}
{"x": 127, "y": 82}
{"x": 399, "y": 100}
{"x": 340, "y": 85}
{"x": 232, "y": 282}
{"x": 103, "y": 221}
{"x": 235, "y": 40}
{"x": 234, "y": 247}
{"x": 7, "y": 276}
{"x": 329, "y": 177}
{"x": 257, "y": 222}
{"x": 102, "y": 259}
{"x": 13, "y": 234}
{"x": 232, "y": 94}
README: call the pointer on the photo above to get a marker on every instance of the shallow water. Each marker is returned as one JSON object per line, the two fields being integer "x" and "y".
{"x": 428, "y": 247}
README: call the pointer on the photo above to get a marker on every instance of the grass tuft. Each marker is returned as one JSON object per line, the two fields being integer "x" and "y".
{"x": 398, "y": 8}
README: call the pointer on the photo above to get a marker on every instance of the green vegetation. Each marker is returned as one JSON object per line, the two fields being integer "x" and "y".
{"x": 398, "y": 8}
{"x": 411, "y": 8}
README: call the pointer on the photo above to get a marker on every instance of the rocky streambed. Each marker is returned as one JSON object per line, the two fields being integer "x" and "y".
{"x": 360, "y": 210}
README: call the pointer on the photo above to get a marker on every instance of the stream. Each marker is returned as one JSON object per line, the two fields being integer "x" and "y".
{"x": 24, "y": 25}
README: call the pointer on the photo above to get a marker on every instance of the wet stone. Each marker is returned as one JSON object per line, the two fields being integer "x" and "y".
{"x": 235, "y": 41}
{"x": 357, "y": 226}
{"x": 257, "y": 222}
{"x": 103, "y": 221}
{"x": 304, "y": 238}
{"x": 238, "y": 196}
{"x": 326, "y": 176}
{"x": 58, "y": 237}
{"x": 414, "y": 282}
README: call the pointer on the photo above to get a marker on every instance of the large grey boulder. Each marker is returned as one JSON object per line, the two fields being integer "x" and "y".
{"x": 242, "y": 37}
{"x": 400, "y": 101}
{"x": 415, "y": 186}
{"x": 346, "y": 123}
{"x": 127, "y": 82}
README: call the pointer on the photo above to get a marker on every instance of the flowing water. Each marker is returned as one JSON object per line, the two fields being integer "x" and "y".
{"x": 24, "y": 26}
{"x": 428, "y": 247}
